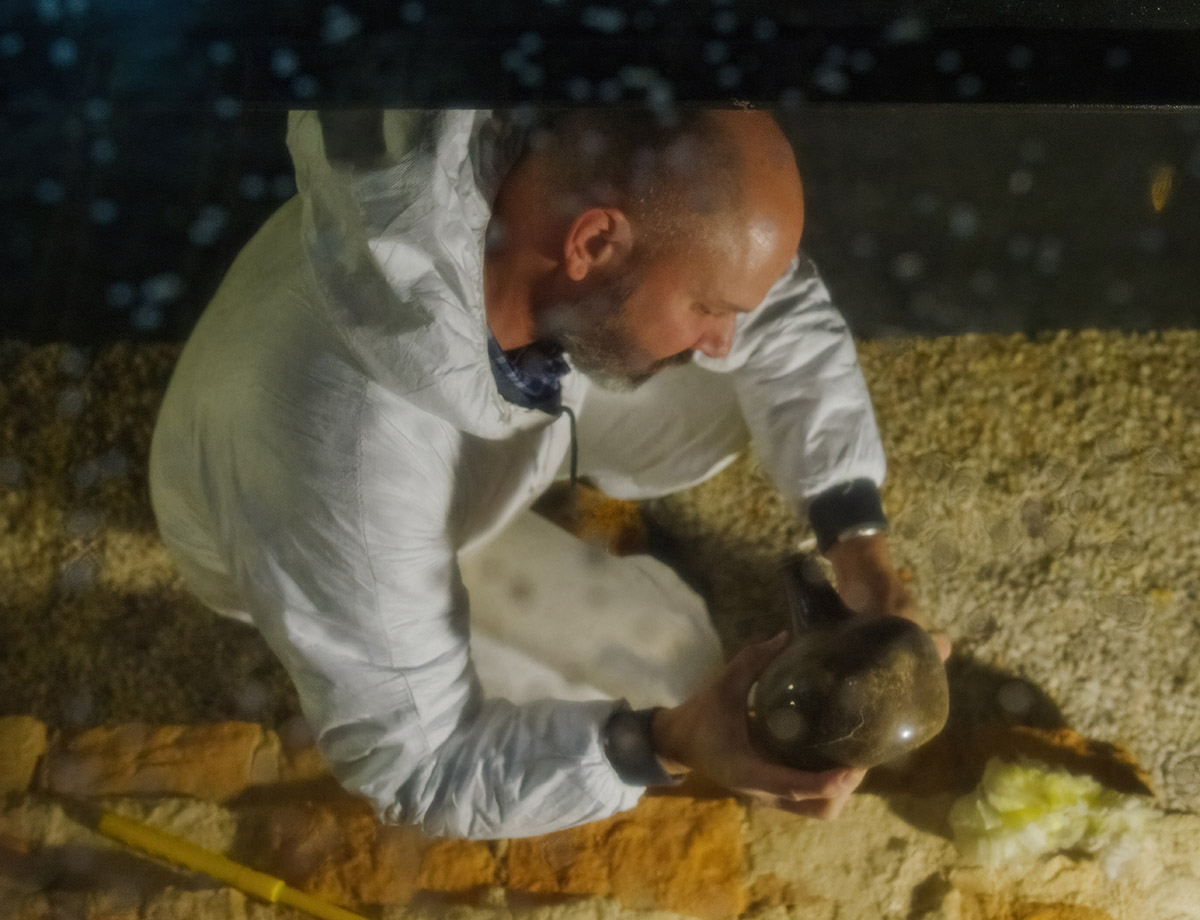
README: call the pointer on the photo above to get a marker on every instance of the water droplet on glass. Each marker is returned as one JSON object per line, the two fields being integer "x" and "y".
{"x": 82, "y": 523}
{"x": 1015, "y": 697}
{"x": 112, "y": 464}
{"x": 1020, "y": 181}
{"x": 119, "y": 294}
{"x": 339, "y": 25}
{"x": 71, "y": 403}
{"x": 147, "y": 317}
{"x": 12, "y": 472}
{"x": 1020, "y": 247}
{"x": 579, "y": 89}
{"x": 76, "y": 711}
{"x": 924, "y": 203}
{"x": 831, "y": 80}
{"x": 529, "y": 43}
{"x": 73, "y": 362}
{"x": 729, "y": 76}
{"x": 906, "y": 29}
{"x": 252, "y": 186}
{"x": 949, "y": 61}
{"x": 982, "y": 283}
{"x": 603, "y": 19}
{"x": 908, "y": 266}
{"x": 968, "y": 86}
{"x": 412, "y": 12}
{"x": 227, "y": 108}
{"x": 862, "y": 61}
{"x": 1020, "y": 57}
{"x": 1117, "y": 58}
{"x": 609, "y": 90}
{"x": 863, "y": 246}
{"x": 963, "y": 221}
{"x": 49, "y": 11}
{"x": 50, "y": 191}
{"x": 715, "y": 52}
{"x": 304, "y": 87}
{"x": 220, "y": 53}
{"x": 97, "y": 110}
{"x": 724, "y": 21}
{"x": 284, "y": 62}
{"x": 163, "y": 287}
{"x": 63, "y": 52}
{"x": 103, "y": 151}
{"x": 530, "y": 75}
{"x": 103, "y": 211}
{"x": 77, "y": 7}
{"x": 11, "y": 44}
{"x": 765, "y": 29}
{"x": 250, "y": 701}
{"x": 78, "y": 575}
{"x": 1152, "y": 240}
{"x": 1120, "y": 292}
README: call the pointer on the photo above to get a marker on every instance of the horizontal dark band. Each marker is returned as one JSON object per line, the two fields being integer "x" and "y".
{"x": 847, "y": 505}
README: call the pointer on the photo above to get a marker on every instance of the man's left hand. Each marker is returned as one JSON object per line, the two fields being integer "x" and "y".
{"x": 868, "y": 583}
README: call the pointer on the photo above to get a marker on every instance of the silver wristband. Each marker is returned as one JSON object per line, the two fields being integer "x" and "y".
{"x": 870, "y": 529}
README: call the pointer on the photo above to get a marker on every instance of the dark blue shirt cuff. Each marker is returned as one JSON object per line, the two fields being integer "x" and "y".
{"x": 849, "y": 504}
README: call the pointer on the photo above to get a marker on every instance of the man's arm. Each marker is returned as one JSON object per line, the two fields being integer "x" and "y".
{"x": 345, "y": 559}
{"x": 809, "y": 412}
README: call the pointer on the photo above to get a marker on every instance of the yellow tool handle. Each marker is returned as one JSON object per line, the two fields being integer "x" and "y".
{"x": 178, "y": 850}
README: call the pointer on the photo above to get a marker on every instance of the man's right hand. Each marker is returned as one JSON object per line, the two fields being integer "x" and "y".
{"x": 708, "y": 733}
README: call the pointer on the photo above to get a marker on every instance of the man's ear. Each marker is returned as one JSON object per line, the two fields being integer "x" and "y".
{"x": 597, "y": 238}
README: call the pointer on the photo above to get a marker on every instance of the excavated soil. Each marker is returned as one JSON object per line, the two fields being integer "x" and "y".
{"x": 1043, "y": 497}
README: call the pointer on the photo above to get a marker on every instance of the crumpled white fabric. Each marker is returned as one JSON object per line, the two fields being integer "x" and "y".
{"x": 332, "y": 439}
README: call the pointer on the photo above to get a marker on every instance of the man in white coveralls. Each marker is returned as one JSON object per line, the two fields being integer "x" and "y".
{"x": 382, "y": 383}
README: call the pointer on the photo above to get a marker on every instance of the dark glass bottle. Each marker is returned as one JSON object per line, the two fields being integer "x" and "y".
{"x": 851, "y": 690}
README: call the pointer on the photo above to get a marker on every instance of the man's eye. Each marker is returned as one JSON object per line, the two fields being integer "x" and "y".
{"x": 701, "y": 308}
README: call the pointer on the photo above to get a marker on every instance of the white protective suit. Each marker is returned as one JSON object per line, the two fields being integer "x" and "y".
{"x": 332, "y": 438}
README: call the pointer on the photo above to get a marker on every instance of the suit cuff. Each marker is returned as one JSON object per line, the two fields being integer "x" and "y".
{"x": 848, "y": 509}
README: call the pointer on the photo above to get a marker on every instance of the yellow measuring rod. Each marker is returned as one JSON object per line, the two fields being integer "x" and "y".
{"x": 181, "y": 851}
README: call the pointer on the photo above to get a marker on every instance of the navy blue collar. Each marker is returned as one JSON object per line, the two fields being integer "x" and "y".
{"x": 530, "y": 376}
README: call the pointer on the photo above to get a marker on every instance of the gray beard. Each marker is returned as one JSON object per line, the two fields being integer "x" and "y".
{"x": 593, "y": 333}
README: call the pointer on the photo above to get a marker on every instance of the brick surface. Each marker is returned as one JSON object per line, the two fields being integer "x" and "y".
{"x": 214, "y": 762}
{"x": 669, "y": 853}
{"x": 334, "y": 847}
{"x": 457, "y": 866}
{"x": 22, "y": 744}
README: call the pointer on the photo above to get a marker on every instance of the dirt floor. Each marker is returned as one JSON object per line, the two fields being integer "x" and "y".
{"x": 1042, "y": 495}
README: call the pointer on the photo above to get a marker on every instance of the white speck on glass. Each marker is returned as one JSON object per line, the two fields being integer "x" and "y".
{"x": 119, "y": 294}
{"x": 284, "y": 62}
{"x": 50, "y": 191}
{"x": 63, "y": 52}
{"x": 220, "y": 53}
{"x": 908, "y": 266}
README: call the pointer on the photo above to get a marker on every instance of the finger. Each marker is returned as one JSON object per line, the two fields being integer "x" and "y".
{"x": 942, "y": 641}
{"x": 752, "y": 660}
{"x": 785, "y": 782}
{"x": 818, "y": 809}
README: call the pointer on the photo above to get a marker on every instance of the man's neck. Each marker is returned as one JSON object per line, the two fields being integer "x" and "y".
{"x": 506, "y": 299}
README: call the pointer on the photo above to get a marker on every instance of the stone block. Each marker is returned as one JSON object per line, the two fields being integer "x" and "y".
{"x": 457, "y": 866}
{"x": 333, "y": 847}
{"x": 22, "y": 744}
{"x": 215, "y": 762}
{"x": 671, "y": 853}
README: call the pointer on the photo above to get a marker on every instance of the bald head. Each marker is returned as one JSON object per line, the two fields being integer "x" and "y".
{"x": 703, "y": 179}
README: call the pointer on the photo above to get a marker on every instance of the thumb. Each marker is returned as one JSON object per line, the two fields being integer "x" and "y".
{"x": 751, "y": 661}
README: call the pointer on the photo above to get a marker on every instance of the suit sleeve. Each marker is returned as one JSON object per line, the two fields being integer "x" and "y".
{"x": 347, "y": 557}
{"x": 802, "y": 391}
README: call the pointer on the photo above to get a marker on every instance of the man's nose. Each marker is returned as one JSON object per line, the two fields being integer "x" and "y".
{"x": 717, "y": 338}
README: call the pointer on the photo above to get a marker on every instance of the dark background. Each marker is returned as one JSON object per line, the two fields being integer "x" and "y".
{"x": 997, "y": 167}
